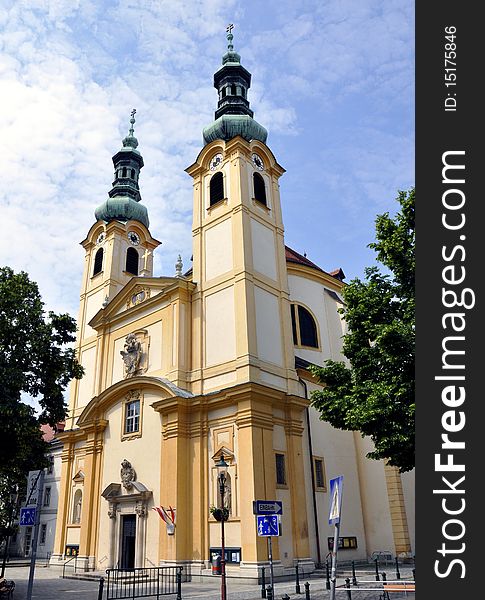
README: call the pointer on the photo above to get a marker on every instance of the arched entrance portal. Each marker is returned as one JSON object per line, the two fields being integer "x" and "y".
{"x": 127, "y": 510}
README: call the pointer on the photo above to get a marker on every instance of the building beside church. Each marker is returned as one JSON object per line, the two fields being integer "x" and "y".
{"x": 182, "y": 369}
{"x": 21, "y": 542}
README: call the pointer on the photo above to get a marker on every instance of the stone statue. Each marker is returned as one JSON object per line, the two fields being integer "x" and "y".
{"x": 128, "y": 474}
{"x": 131, "y": 355}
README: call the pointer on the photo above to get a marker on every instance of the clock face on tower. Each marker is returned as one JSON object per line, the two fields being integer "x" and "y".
{"x": 215, "y": 162}
{"x": 100, "y": 238}
{"x": 134, "y": 238}
{"x": 257, "y": 161}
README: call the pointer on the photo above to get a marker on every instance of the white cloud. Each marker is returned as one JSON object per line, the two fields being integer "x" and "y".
{"x": 71, "y": 71}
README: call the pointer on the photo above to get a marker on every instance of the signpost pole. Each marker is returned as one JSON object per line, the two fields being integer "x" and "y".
{"x": 333, "y": 574}
{"x": 270, "y": 558}
{"x": 40, "y": 485}
{"x": 334, "y": 517}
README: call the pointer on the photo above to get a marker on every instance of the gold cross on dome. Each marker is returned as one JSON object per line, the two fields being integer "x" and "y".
{"x": 230, "y": 27}
{"x": 133, "y": 112}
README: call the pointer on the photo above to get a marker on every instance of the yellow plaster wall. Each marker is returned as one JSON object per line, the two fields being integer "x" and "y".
{"x": 220, "y": 325}
{"x": 144, "y": 455}
{"x": 93, "y": 304}
{"x": 375, "y": 503}
{"x": 268, "y": 326}
{"x": 264, "y": 255}
{"x": 218, "y": 249}
{"x": 408, "y": 486}
{"x": 86, "y": 384}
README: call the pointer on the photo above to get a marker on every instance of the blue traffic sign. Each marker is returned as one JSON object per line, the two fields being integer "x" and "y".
{"x": 267, "y": 507}
{"x": 335, "y": 508}
{"x": 27, "y": 516}
{"x": 268, "y": 525}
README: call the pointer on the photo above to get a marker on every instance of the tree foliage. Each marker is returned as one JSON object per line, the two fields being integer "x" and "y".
{"x": 375, "y": 393}
{"x": 35, "y": 361}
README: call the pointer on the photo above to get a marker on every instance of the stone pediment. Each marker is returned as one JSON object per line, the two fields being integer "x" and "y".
{"x": 138, "y": 293}
{"x": 79, "y": 477}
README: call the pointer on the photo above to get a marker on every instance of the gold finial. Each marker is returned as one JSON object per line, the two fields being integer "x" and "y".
{"x": 229, "y": 36}
{"x": 132, "y": 120}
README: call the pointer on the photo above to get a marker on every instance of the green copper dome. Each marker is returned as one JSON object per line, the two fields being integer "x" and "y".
{"x": 233, "y": 115}
{"x": 228, "y": 126}
{"x": 124, "y": 197}
{"x": 122, "y": 208}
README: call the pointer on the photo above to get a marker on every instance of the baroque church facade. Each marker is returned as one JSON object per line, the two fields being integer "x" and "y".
{"x": 180, "y": 370}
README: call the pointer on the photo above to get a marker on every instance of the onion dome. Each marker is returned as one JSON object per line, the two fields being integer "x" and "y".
{"x": 123, "y": 203}
{"x": 233, "y": 116}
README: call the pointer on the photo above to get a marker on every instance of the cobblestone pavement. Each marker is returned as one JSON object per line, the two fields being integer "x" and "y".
{"x": 49, "y": 586}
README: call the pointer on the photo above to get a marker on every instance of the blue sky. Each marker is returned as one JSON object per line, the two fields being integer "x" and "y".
{"x": 333, "y": 82}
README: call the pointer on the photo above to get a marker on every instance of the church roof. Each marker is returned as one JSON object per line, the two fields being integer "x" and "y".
{"x": 292, "y": 256}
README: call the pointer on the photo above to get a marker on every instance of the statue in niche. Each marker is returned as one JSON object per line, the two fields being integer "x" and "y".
{"x": 128, "y": 474}
{"x": 131, "y": 355}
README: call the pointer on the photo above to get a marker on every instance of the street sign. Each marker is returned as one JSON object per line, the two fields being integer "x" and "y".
{"x": 27, "y": 516}
{"x": 335, "y": 500}
{"x": 268, "y": 525}
{"x": 267, "y": 507}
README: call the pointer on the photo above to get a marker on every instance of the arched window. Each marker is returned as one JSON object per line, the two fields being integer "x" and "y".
{"x": 123, "y": 174}
{"x": 259, "y": 188}
{"x": 98, "y": 262}
{"x": 133, "y": 173}
{"x": 233, "y": 89}
{"x": 304, "y": 327}
{"x": 243, "y": 92}
{"x": 216, "y": 188}
{"x": 77, "y": 506}
{"x": 132, "y": 261}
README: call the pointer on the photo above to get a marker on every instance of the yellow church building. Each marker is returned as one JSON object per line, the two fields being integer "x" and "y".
{"x": 182, "y": 369}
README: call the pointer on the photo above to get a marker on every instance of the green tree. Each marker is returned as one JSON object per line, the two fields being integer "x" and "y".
{"x": 35, "y": 360}
{"x": 375, "y": 393}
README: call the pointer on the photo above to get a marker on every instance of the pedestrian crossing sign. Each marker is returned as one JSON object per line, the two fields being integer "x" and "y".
{"x": 335, "y": 508}
{"x": 27, "y": 516}
{"x": 268, "y": 525}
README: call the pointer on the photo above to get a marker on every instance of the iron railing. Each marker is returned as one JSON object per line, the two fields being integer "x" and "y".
{"x": 143, "y": 582}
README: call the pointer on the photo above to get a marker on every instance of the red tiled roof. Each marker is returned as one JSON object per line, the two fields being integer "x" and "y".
{"x": 295, "y": 257}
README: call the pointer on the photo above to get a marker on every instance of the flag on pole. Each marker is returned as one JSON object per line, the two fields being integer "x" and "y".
{"x": 168, "y": 516}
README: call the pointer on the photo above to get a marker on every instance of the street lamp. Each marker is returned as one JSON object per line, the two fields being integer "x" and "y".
{"x": 221, "y": 479}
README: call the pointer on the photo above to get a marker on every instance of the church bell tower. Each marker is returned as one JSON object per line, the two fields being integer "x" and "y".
{"x": 118, "y": 247}
{"x": 238, "y": 247}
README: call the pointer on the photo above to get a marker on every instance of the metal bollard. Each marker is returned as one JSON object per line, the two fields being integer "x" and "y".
{"x": 269, "y": 593}
{"x": 377, "y": 569}
{"x": 384, "y": 577}
{"x": 347, "y": 585}
{"x": 297, "y": 585}
{"x": 263, "y": 583}
{"x": 414, "y": 574}
{"x": 398, "y": 573}
{"x": 327, "y": 583}
{"x": 354, "y": 578}
{"x": 100, "y": 591}
{"x": 285, "y": 597}
{"x": 179, "y": 584}
{"x": 307, "y": 591}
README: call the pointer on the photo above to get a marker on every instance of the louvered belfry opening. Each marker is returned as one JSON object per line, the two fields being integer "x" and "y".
{"x": 98, "y": 262}
{"x": 216, "y": 188}
{"x": 132, "y": 261}
{"x": 259, "y": 188}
